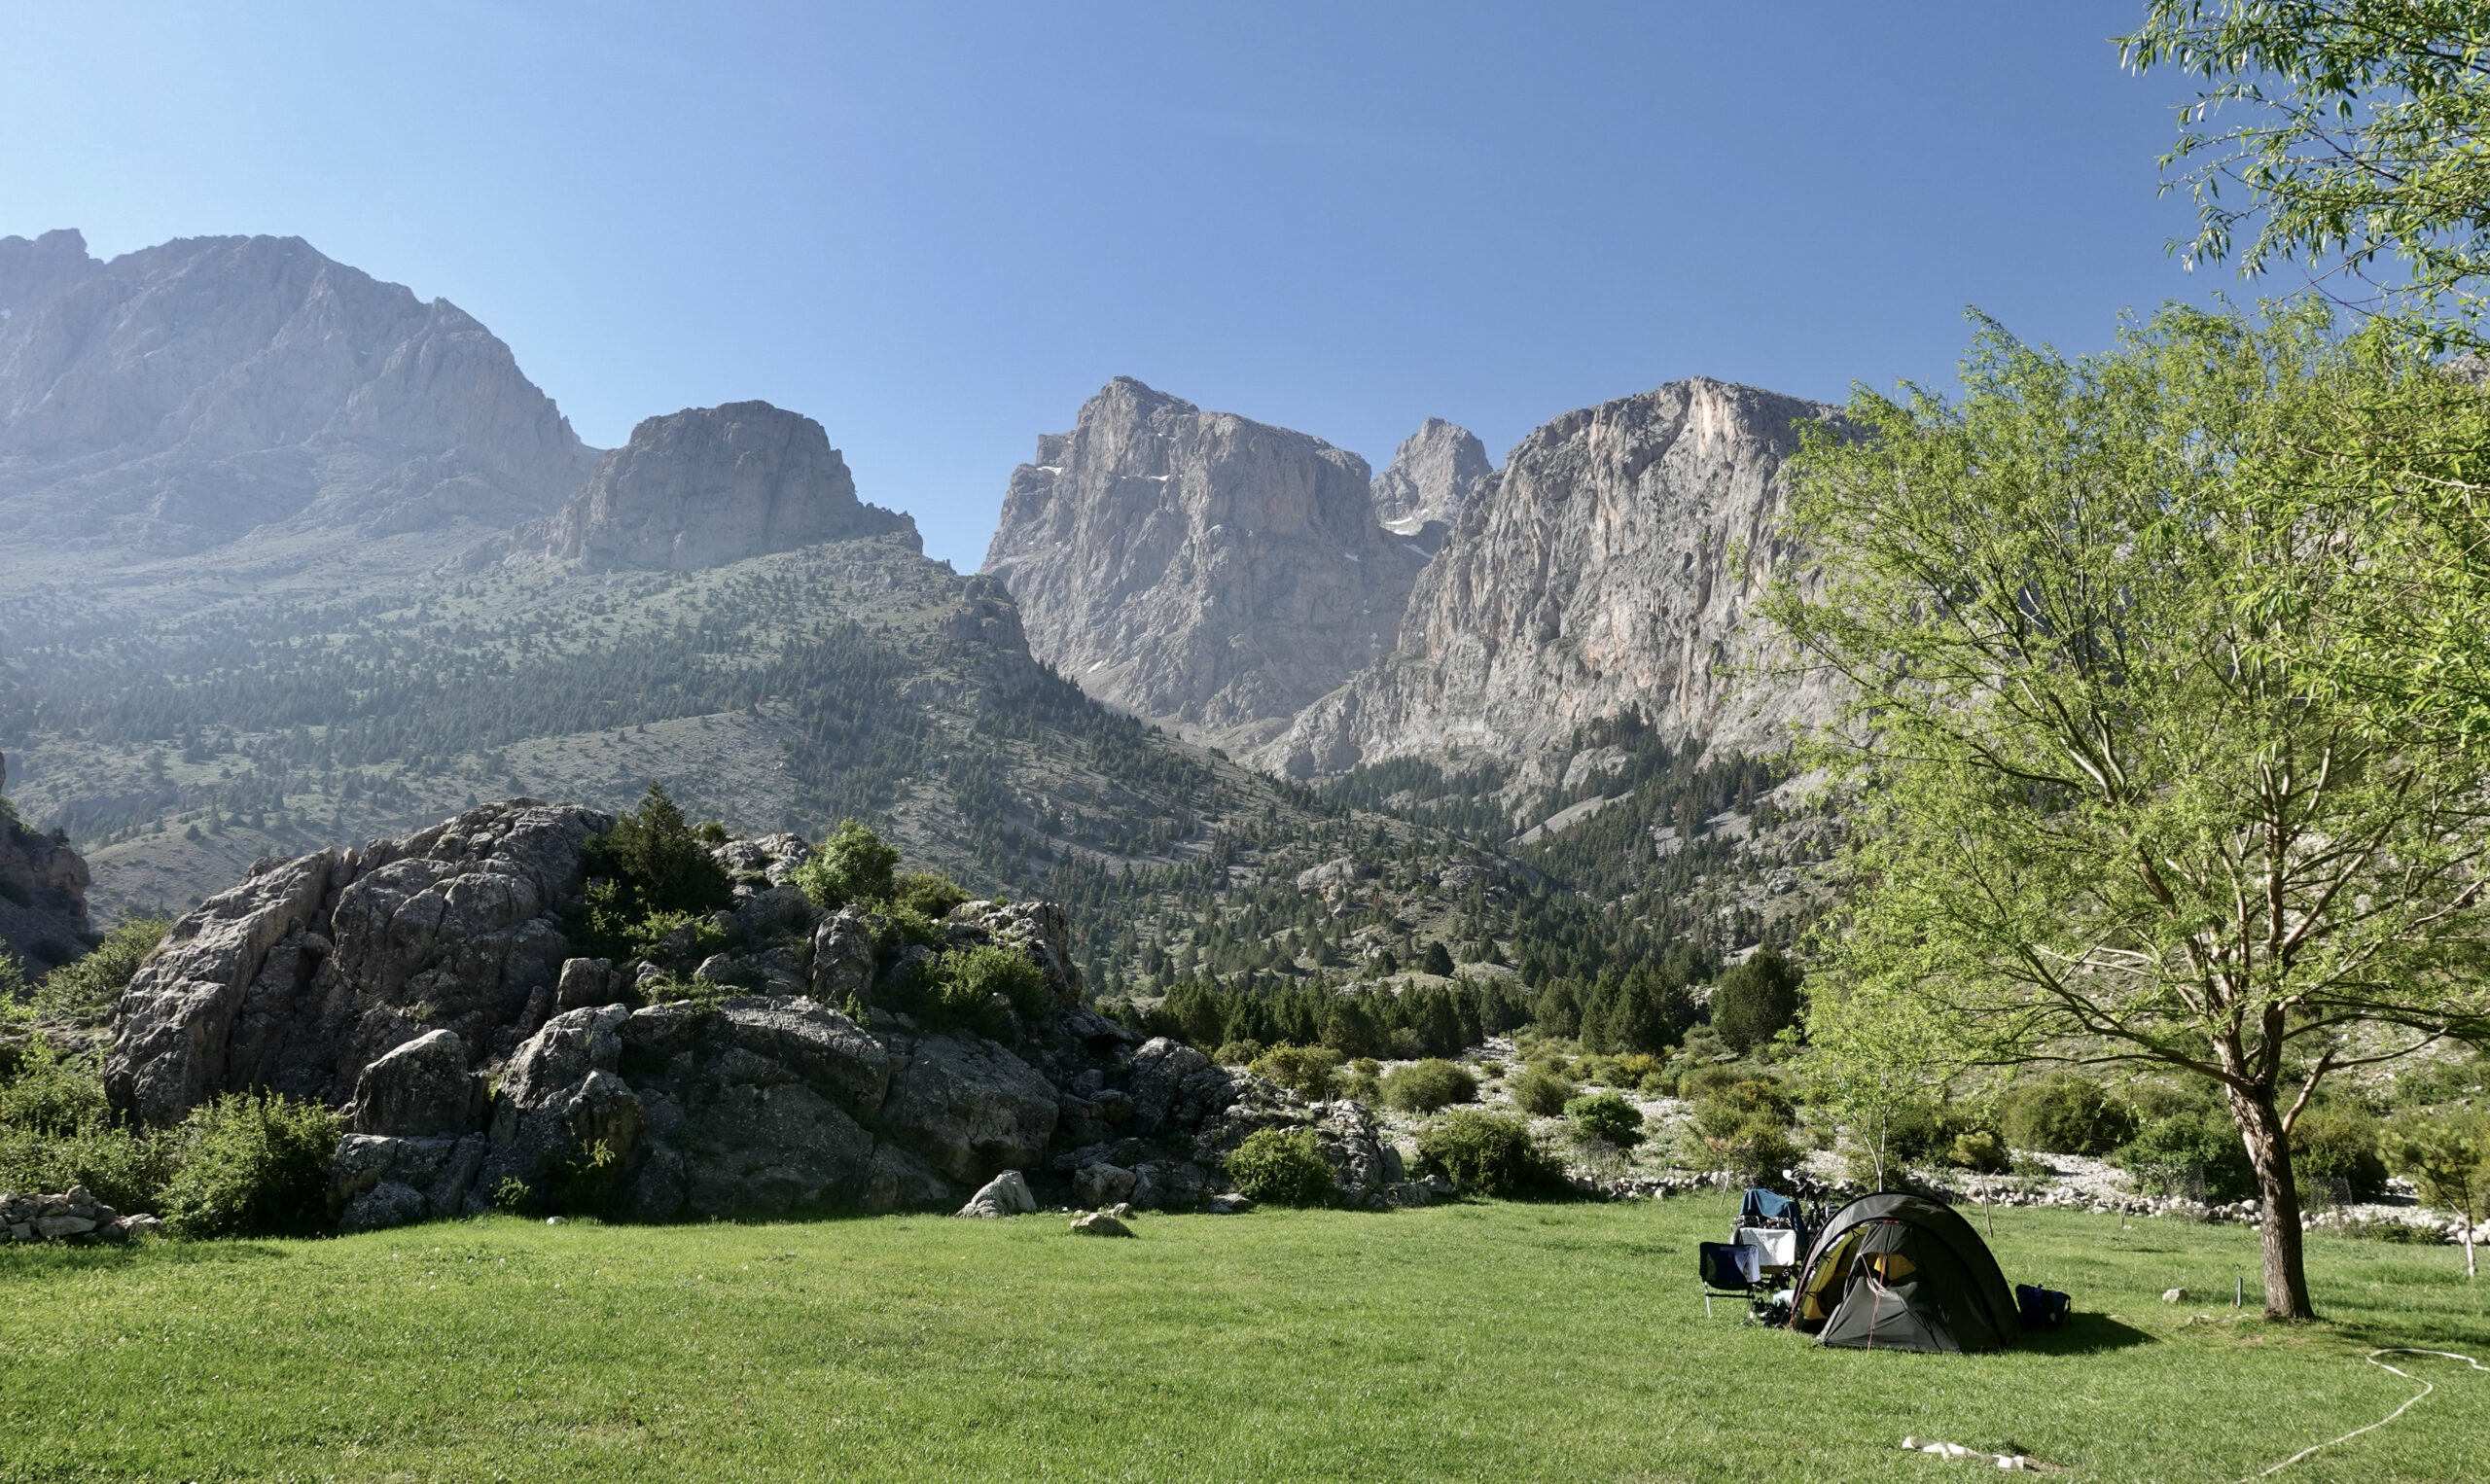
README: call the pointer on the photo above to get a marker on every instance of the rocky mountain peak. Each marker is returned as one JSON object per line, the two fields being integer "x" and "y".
{"x": 1198, "y": 568}
{"x": 179, "y": 397}
{"x": 1608, "y": 568}
{"x": 710, "y": 485}
{"x": 1433, "y": 471}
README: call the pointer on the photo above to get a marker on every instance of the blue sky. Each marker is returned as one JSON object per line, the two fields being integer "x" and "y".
{"x": 938, "y": 228}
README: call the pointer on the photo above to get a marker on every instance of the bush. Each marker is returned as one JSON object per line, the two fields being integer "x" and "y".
{"x": 1438, "y": 961}
{"x": 1284, "y": 1167}
{"x": 1486, "y": 1153}
{"x": 987, "y": 987}
{"x": 2173, "y": 1156}
{"x": 1307, "y": 1071}
{"x": 1723, "y": 1111}
{"x": 1755, "y": 1001}
{"x": 250, "y": 1165}
{"x": 928, "y": 892}
{"x": 1540, "y": 1093}
{"x": 1608, "y": 1118}
{"x": 1237, "y": 1053}
{"x": 852, "y": 865}
{"x": 661, "y": 857}
{"x": 1979, "y": 1152}
{"x": 86, "y": 989}
{"x": 2336, "y": 1142}
{"x": 1427, "y": 1086}
{"x": 51, "y": 1093}
{"x": 2066, "y": 1114}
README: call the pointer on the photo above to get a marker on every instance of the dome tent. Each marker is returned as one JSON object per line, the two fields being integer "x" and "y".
{"x": 1896, "y": 1271}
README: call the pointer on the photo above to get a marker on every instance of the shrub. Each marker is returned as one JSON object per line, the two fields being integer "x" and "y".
{"x": 1979, "y": 1152}
{"x": 1755, "y": 1001}
{"x": 987, "y": 987}
{"x": 1308, "y": 1071}
{"x": 1438, "y": 961}
{"x": 928, "y": 892}
{"x": 2169, "y": 1157}
{"x": 1483, "y": 1153}
{"x": 660, "y": 858}
{"x": 2336, "y": 1142}
{"x": 85, "y": 988}
{"x": 1284, "y": 1167}
{"x": 1540, "y": 1093}
{"x": 51, "y": 1093}
{"x": 249, "y": 1165}
{"x": 1237, "y": 1053}
{"x": 1607, "y": 1117}
{"x": 2066, "y": 1114}
{"x": 1427, "y": 1086}
{"x": 1723, "y": 1111}
{"x": 852, "y": 865}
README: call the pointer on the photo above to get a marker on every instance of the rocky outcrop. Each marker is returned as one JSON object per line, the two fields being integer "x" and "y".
{"x": 314, "y": 969}
{"x": 400, "y": 981}
{"x": 72, "y": 1215}
{"x": 1432, "y": 475}
{"x": 1610, "y": 567}
{"x": 711, "y": 486}
{"x": 43, "y": 893}
{"x": 182, "y": 395}
{"x": 1196, "y": 568}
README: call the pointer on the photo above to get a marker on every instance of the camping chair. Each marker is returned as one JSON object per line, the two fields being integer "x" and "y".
{"x": 1729, "y": 1270}
{"x": 1766, "y": 1243}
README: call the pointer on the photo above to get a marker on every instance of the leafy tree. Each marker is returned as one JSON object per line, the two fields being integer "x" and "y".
{"x": 2105, "y": 818}
{"x": 85, "y": 988}
{"x": 1874, "y": 1049}
{"x": 1437, "y": 960}
{"x": 658, "y": 858}
{"x": 1756, "y": 999}
{"x": 2448, "y": 1157}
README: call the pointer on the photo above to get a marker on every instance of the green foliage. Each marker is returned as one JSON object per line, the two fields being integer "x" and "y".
{"x": 1980, "y": 1150}
{"x": 1486, "y": 1153}
{"x": 988, "y": 988}
{"x": 52, "y": 1092}
{"x": 853, "y": 865}
{"x": 1540, "y": 1093}
{"x": 514, "y": 1196}
{"x": 1307, "y": 1071}
{"x": 929, "y": 893}
{"x": 1237, "y": 1053}
{"x": 1744, "y": 1127}
{"x": 1424, "y": 1086}
{"x": 1606, "y": 1117}
{"x": 1283, "y": 1167}
{"x": 1755, "y": 1001}
{"x": 2447, "y": 1155}
{"x": 2066, "y": 1114}
{"x": 56, "y": 1132}
{"x": 250, "y": 1165}
{"x": 648, "y": 876}
{"x": 1423, "y": 1020}
{"x": 2194, "y": 1151}
{"x": 84, "y": 990}
{"x": 583, "y": 1184}
{"x": 1877, "y": 1057}
{"x": 15, "y": 991}
{"x": 2338, "y": 1143}
{"x": 1436, "y": 961}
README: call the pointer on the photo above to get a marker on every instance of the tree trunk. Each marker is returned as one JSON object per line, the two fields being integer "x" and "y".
{"x": 2261, "y": 1128}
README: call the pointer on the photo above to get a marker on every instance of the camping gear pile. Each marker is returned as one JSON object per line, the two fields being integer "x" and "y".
{"x": 1889, "y": 1271}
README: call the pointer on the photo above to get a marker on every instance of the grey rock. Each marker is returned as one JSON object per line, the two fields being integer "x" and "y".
{"x": 1432, "y": 475}
{"x": 1364, "y": 1164}
{"x": 1611, "y": 566}
{"x": 842, "y": 958}
{"x": 710, "y": 485}
{"x": 385, "y": 1205}
{"x": 421, "y": 1087}
{"x": 1206, "y": 571}
{"x": 1099, "y": 1224}
{"x": 1006, "y": 1194}
{"x": 586, "y": 982}
{"x": 43, "y": 889}
{"x": 1038, "y": 929}
{"x": 971, "y": 1108}
{"x": 1230, "y": 1203}
{"x": 1102, "y": 1185}
{"x": 185, "y": 394}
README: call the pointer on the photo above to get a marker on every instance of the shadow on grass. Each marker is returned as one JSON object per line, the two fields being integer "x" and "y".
{"x": 2084, "y": 1334}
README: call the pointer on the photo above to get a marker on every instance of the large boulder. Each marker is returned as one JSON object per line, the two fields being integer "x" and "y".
{"x": 314, "y": 969}
{"x": 971, "y": 1108}
{"x": 1037, "y": 929}
{"x": 421, "y": 1087}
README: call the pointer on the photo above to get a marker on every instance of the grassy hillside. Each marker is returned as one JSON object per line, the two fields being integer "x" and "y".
{"x": 1481, "y": 1341}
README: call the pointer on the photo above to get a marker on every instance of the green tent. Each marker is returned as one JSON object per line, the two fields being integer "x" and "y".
{"x": 1896, "y": 1271}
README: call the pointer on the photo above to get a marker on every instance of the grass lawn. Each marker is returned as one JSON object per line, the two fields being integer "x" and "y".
{"x": 1474, "y": 1341}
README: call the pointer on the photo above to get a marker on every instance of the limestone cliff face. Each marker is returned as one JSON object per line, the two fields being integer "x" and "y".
{"x": 1609, "y": 566}
{"x": 711, "y": 486}
{"x": 1196, "y": 568}
{"x": 1432, "y": 475}
{"x": 176, "y": 398}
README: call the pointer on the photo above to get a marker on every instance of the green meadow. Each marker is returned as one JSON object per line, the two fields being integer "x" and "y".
{"x": 1474, "y": 1341}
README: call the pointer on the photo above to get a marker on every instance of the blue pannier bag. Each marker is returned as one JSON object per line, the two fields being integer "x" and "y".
{"x": 2041, "y": 1308}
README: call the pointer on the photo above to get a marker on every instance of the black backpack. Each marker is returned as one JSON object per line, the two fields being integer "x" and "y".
{"x": 2041, "y": 1308}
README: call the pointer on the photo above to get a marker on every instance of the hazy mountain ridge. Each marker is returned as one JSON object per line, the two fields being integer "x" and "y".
{"x": 183, "y": 396}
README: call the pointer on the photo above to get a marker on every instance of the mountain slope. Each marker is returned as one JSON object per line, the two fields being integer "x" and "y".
{"x": 1606, "y": 571}
{"x": 1198, "y": 568}
{"x": 177, "y": 398}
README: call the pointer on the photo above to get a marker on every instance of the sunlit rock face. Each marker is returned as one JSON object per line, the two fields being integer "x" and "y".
{"x": 1199, "y": 569}
{"x": 1432, "y": 475}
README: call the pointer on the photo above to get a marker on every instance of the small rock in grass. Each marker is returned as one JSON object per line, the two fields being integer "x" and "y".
{"x": 1100, "y": 1224}
{"x": 1006, "y": 1194}
{"x": 2174, "y": 1295}
{"x": 553, "y": 1221}
{"x": 1230, "y": 1204}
